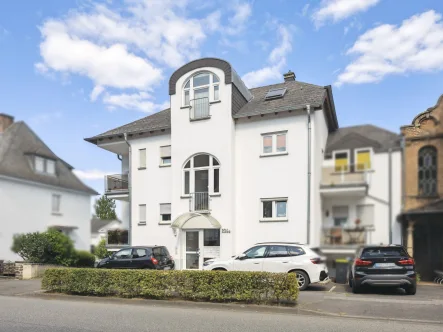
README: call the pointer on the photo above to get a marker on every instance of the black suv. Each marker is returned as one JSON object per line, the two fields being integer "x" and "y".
{"x": 383, "y": 266}
{"x": 144, "y": 257}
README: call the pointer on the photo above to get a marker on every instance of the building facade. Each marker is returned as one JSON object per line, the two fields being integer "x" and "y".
{"x": 226, "y": 167}
{"x": 38, "y": 190}
{"x": 422, "y": 215}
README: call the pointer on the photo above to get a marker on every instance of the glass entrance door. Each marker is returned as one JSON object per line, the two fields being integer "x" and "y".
{"x": 194, "y": 245}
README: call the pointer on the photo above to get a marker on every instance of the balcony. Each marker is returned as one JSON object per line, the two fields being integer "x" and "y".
{"x": 199, "y": 202}
{"x": 345, "y": 238}
{"x": 117, "y": 186}
{"x": 344, "y": 180}
{"x": 199, "y": 109}
{"x": 117, "y": 237}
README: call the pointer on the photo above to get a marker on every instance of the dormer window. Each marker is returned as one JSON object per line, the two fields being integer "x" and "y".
{"x": 44, "y": 165}
{"x": 199, "y": 91}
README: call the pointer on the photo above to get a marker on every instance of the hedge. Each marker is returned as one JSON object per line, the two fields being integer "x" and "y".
{"x": 214, "y": 286}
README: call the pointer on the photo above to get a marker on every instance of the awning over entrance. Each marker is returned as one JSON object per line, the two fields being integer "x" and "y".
{"x": 192, "y": 220}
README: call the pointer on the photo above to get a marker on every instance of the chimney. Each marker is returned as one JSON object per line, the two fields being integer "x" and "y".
{"x": 289, "y": 76}
{"x": 5, "y": 121}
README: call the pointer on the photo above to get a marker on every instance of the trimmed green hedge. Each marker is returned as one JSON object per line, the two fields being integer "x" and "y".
{"x": 215, "y": 286}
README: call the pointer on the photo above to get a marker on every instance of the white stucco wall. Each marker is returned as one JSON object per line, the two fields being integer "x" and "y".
{"x": 27, "y": 207}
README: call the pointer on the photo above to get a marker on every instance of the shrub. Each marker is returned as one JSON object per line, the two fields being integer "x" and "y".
{"x": 215, "y": 286}
{"x": 84, "y": 258}
{"x": 100, "y": 251}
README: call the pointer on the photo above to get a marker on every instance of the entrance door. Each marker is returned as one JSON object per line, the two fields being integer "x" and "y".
{"x": 194, "y": 245}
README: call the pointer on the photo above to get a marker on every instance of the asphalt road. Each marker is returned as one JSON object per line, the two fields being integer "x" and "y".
{"x": 48, "y": 315}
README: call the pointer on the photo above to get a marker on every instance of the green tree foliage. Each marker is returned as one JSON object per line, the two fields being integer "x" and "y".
{"x": 105, "y": 208}
{"x": 84, "y": 258}
{"x": 100, "y": 251}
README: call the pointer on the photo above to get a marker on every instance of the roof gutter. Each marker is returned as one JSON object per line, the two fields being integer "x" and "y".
{"x": 125, "y": 136}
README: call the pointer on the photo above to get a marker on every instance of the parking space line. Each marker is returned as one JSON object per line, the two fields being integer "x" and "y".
{"x": 332, "y": 289}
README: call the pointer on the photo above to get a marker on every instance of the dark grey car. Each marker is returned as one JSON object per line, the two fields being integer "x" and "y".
{"x": 383, "y": 266}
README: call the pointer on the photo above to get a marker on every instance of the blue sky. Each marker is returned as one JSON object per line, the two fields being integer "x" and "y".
{"x": 75, "y": 68}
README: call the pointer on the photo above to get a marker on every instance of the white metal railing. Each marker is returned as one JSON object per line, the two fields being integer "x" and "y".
{"x": 199, "y": 202}
{"x": 116, "y": 183}
{"x": 344, "y": 174}
{"x": 199, "y": 109}
{"x": 338, "y": 235}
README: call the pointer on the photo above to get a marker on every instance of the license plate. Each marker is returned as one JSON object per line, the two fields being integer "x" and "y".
{"x": 384, "y": 265}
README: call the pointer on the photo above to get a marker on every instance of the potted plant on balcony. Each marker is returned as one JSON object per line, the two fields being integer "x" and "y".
{"x": 357, "y": 223}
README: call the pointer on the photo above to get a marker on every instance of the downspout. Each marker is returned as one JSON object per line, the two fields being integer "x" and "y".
{"x": 308, "y": 217}
{"x": 119, "y": 157}
{"x": 129, "y": 188}
{"x": 403, "y": 184}
{"x": 390, "y": 194}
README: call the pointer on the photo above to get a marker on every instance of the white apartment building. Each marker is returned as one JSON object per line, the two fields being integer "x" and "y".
{"x": 38, "y": 190}
{"x": 226, "y": 167}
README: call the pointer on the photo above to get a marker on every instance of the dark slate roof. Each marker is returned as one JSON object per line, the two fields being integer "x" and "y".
{"x": 97, "y": 224}
{"x": 156, "y": 121}
{"x": 297, "y": 96}
{"x": 17, "y": 143}
{"x": 381, "y": 140}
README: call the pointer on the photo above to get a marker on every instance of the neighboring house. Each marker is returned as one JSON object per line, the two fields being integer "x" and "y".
{"x": 105, "y": 230}
{"x": 422, "y": 215}
{"x": 38, "y": 190}
{"x": 226, "y": 167}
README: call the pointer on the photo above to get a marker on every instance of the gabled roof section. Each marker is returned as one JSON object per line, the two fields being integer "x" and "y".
{"x": 381, "y": 140}
{"x": 17, "y": 143}
{"x": 157, "y": 121}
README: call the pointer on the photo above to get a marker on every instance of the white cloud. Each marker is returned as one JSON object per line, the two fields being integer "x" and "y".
{"x": 242, "y": 12}
{"x": 97, "y": 91}
{"x": 414, "y": 46}
{"x": 91, "y": 174}
{"x": 305, "y": 9}
{"x": 137, "y": 101}
{"x": 355, "y": 24}
{"x": 337, "y": 10}
{"x": 276, "y": 60}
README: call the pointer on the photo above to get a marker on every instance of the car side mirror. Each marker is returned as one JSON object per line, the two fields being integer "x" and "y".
{"x": 242, "y": 257}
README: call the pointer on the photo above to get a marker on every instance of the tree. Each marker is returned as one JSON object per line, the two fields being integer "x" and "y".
{"x": 100, "y": 251}
{"x": 105, "y": 208}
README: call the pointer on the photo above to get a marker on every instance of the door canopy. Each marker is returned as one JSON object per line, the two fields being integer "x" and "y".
{"x": 192, "y": 220}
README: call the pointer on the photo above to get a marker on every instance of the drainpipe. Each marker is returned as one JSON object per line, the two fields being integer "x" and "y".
{"x": 403, "y": 184}
{"x": 308, "y": 218}
{"x": 390, "y": 194}
{"x": 129, "y": 188}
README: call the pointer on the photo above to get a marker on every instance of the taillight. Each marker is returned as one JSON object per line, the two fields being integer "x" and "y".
{"x": 359, "y": 262}
{"x": 409, "y": 261}
{"x": 154, "y": 261}
{"x": 316, "y": 260}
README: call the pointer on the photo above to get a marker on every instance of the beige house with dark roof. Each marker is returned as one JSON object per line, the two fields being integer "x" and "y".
{"x": 226, "y": 167}
{"x": 38, "y": 190}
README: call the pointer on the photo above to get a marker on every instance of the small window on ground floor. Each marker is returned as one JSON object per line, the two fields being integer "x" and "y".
{"x": 211, "y": 237}
{"x": 165, "y": 213}
{"x": 274, "y": 209}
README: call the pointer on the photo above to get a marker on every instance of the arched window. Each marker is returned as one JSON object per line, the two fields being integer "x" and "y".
{"x": 427, "y": 171}
{"x": 201, "y": 88}
{"x": 201, "y": 174}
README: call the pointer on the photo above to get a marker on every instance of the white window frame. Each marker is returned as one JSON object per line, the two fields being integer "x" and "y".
{"x": 349, "y": 159}
{"x": 210, "y": 87}
{"x": 274, "y": 151}
{"x": 163, "y": 158}
{"x": 45, "y": 165}
{"x": 55, "y": 197}
{"x": 140, "y": 221}
{"x": 141, "y": 162}
{"x": 371, "y": 153}
{"x": 210, "y": 169}
{"x": 165, "y": 222}
{"x": 274, "y": 209}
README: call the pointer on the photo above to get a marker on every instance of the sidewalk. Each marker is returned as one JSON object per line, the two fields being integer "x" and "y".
{"x": 13, "y": 287}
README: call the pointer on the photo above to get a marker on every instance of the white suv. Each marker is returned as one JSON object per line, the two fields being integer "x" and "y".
{"x": 276, "y": 257}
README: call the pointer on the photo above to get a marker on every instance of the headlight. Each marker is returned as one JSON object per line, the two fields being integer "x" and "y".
{"x": 208, "y": 262}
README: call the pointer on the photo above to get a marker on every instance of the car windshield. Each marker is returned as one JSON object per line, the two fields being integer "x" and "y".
{"x": 384, "y": 252}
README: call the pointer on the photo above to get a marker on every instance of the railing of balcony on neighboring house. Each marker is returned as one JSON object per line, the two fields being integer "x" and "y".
{"x": 344, "y": 175}
{"x": 117, "y": 237}
{"x": 346, "y": 236}
{"x": 117, "y": 183}
{"x": 199, "y": 109}
{"x": 199, "y": 202}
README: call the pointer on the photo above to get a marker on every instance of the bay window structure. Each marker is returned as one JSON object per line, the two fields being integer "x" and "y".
{"x": 198, "y": 92}
{"x": 274, "y": 209}
{"x": 274, "y": 143}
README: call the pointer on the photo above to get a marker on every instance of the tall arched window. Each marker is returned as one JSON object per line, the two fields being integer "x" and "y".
{"x": 201, "y": 174}
{"x": 427, "y": 171}
{"x": 202, "y": 87}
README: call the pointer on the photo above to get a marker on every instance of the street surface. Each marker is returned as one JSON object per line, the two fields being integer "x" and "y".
{"x": 37, "y": 314}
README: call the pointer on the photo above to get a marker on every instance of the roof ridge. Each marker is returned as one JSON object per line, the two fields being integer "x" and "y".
{"x": 370, "y": 125}
{"x": 290, "y": 82}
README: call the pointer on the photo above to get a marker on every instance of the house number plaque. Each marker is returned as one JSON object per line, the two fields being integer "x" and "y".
{"x": 226, "y": 231}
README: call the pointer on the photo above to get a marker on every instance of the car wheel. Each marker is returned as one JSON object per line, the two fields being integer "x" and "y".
{"x": 302, "y": 280}
{"x": 355, "y": 289}
{"x": 411, "y": 290}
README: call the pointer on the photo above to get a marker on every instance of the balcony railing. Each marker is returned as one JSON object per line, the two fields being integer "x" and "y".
{"x": 199, "y": 109}
{"x": 343, "y": 236}
{"x": 344, "y": 175}
{"x": 117, "y": 183}
{"x": 118, "y": 237}
{"x": 199, "y": 202}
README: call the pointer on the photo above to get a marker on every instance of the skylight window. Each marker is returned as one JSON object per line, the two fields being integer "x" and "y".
{"x": 275, "y": 93}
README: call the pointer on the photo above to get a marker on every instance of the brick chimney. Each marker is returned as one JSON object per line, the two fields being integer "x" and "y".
{"x": 289, "y": 76}
{"x": 5, "y": 121}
